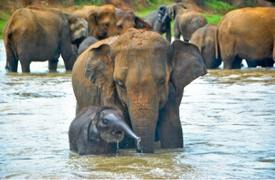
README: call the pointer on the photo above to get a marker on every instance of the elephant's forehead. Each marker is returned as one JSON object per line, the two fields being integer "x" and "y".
{"x": 140, "y": 40}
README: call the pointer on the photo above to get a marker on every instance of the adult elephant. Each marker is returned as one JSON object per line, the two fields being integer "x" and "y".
{"x": 106, "y": 20}
{"x": 187, "y": 22}
{"x": 160, "y": 21}
{"x": 127, "y": 19}
{"x": 247, "y": 33}
{"x": 40, "y": 34}
{"x": 101, "y": 20}
{"x": 143, "y": 75}
{"x": 205, "y": 39}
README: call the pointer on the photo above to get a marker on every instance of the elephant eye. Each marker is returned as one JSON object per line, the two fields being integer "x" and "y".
{"x": 161, "y": 82}
{"x": 105, "y": 121}
{"x": 120, "y": 84}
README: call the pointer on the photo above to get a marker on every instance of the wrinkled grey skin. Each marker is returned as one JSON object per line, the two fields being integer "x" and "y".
{"x": 86, "y": 43}
{"x": 41, "y": 34}
{"x": 96, "y": 130}
{"x": 187, "y": 22}
{"x": 160, "y": 20}
{"x": 205, "y": 39}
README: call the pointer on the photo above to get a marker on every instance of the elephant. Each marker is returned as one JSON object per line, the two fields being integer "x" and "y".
{"x": 96, "y": 130}
{"x": 247, "y": 33}
{"x": 86, "y": 43}
{"x": 40, "y": 34}
{"x": 160, "y": 21}
{"x": 205, "y": 39}
{"x": 141, "y": 74}
{"x": 127, "y": 19}
{"x": 106, "y": 20}
{"x": 187, "y": 22}
{"x": 101, "y": 20}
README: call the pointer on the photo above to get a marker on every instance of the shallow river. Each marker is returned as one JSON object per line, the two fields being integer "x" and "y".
{"x": 228, "y": 120}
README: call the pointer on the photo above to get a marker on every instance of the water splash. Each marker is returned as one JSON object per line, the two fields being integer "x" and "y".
{"x": 117, "y": 147}
{"x": 138, "y": 141}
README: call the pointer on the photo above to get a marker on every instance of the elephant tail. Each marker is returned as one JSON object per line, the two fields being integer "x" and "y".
{"x": 217, "y": 47}
{"x": 217, "y": 50}
{"x": 10, "y": 49}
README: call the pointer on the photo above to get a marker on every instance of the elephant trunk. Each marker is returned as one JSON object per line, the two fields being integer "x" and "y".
{"x": 123, "y": 126}
{"x": 144, "y": 126}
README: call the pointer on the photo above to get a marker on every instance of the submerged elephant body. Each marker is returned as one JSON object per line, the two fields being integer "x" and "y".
{"x": 247, "y": 33}
{"x": 205, "y": 39}
{"x": 134, "y": 72}
{"x": 96, "y": 130}
{"x": 40, "y": 34}
{"x": 187, "y": 22}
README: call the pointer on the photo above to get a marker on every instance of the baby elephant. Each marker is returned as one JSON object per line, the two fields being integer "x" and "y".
{"x": 96, "y": 130}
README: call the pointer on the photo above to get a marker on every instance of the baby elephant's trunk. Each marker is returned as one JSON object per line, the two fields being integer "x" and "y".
{"x": 120, "y": 124}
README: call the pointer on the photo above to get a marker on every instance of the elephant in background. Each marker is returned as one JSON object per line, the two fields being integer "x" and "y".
{"x": 141, "y": 74}
{"x": 160, "y": 21}
{"x": 247, "y": 33}
{"x": 40, "y": 34}
{"x": 205, "y": 39}
{"x": 187, "y": 22}
{"x": 101, "y": 20}
{"x": 96, "y": 130}
{"x": 127, "y": 19}
{"x": 107, "y": 20}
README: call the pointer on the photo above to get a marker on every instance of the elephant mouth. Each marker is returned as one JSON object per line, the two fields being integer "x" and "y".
{"x": 112, "y": 136}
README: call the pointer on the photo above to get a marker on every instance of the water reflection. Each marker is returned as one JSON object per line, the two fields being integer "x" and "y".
{"x": 227, "y": 116}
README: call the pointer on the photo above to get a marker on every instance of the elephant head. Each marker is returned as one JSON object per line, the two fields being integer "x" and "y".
{"x": 78, "y": 29}
{"x": 175, "y": 9}
{"x": 126, "y": 19}
{"x": 108, "y": 125}
{"x": 143, "y": 65}
{"x": 102, "y": 22}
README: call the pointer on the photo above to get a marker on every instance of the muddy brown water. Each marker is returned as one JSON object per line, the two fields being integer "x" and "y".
{"x": 228, "y": 120}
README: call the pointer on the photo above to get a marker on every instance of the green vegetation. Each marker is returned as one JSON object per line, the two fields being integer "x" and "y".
{"x": 86, "y": 2}
{"x": 154, "y": 4}
{"x": 3, "y": 20}
{"x": 213, "y": 18}
{"x": 218, "y": 6}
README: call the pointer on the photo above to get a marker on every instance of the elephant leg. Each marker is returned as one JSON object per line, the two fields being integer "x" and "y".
{"x": 268, "y": 62}
{"x": 228, "y": 62}
{"x": 11, "y": 61}
{"x": 52, "y": 65}
{"x": 25, "y": 65}
{"x": 69, "y": 54}
{"x": 251, "y": 63}
{"x": 170, "y": 130}
{"x": 237, "y": 63}
{"x": 168, "y": 32}
{"x": 177, "y": 33}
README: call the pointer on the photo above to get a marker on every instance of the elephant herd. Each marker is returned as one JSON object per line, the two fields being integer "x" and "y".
{"x": 247, "y": 33}
{"x": 127, "y": 79}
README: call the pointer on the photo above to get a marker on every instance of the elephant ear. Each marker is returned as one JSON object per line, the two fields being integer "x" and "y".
{"x": 98, "y": 66}
{"x": 92, "y": 20}
{"x": 187, "y": 64}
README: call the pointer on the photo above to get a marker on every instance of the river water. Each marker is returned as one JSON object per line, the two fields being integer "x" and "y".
{"x": 228, "y": 120}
